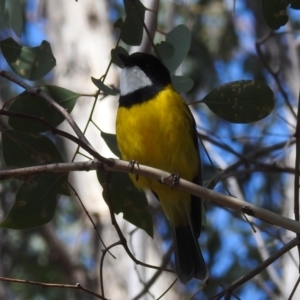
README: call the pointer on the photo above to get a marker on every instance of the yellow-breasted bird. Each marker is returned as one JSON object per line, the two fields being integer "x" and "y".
{"x": 156, "y": 128}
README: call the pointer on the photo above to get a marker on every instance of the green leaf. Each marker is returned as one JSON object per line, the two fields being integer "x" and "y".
{"x": 180, "y": 39}
{"x": 295, "y": 4}
{"x": 104, "y": 88}
{"x": 37, "y": 106}
{"x": 119, "y": 23}
{"x": 29, "y": 63}
{"x": 111, "y": 141}
{"x": 63, "y": 188}
{"x": 127, "y": 199}
{"x": 2, "y": 7}
{"x": 182, "y": 84}
{"x": 21, "y": 149}
{"x": 165, "y": 50}
{"x": 274, "y": 12}
{"x": 35, "y": 203}
{"x": 242, "y": 101}
{"x": 4, "y": 20}
{"x": 115, "y": 56}
{"x": 132, "y": 29}
{"x": 15, "y": 16}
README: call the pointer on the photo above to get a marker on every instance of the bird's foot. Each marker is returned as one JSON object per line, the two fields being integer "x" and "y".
{"x": 175, "y": 180}
{"x": 132, "y": 164}
{"x": 175, "y": 177}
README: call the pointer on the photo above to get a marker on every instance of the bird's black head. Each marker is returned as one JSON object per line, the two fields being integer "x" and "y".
{"x": 142, "y": 78}
{"x": 152, "y": 67}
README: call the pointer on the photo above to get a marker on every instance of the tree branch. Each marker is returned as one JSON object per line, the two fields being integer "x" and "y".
{"x": 76, "y": 286}
{"x": 258, "y": 269}
{"x": 165, "y": 178}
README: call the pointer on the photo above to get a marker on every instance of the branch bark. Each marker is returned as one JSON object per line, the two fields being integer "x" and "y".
{"x": 165, "y": 178}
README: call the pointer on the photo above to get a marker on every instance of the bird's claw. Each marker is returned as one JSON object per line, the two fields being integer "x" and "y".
{"x": 175, "y": 180}
{"x": 132, "y": 164}
{"x": 175, "y": 177}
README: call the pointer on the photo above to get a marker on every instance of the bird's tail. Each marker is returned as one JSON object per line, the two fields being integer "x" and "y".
{"x": 189, "y": 261}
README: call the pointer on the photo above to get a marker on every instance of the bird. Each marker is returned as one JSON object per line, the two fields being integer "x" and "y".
{"x": 155, "y": 127}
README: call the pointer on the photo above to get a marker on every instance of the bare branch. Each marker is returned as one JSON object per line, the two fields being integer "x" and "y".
{"x": 272, "y": 73}
{"x": 76, "y": 286}
{"x": 257, "y": 270}
{"x": 89, "y": 216}
{"x": 165, "y": 178}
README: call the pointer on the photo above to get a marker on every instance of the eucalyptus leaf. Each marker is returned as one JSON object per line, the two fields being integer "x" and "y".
{"x": 274, "y": 13}
{"x": 127, "y": 199}
{"x": 182, "y": 84}
{"x": 115, "y": 56}
{"x": 119, "y": 23}
{"x": 15, "y": 16}
{"x": 35, "y": 203}
{"x": 37, "y": 106}
{"x": 165, "y": 50}
{"x": 29, "y": 63}
{"x": 180, "y": 38}
{"x": 132, "y": 29}
{"x": 21, "y": 149}
{"x": 4, "y": 20}
{"x": 2, "y": 7}
{"x": 111, "y": 141}
{"x": 104, "y": 88}
{"x": 243, "y": 101}
{"x": 295, "y": 4}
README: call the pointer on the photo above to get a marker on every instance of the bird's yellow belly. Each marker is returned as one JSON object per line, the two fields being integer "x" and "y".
{"x": 159, "y": 133}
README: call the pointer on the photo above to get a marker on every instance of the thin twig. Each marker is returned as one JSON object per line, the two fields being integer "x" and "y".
{"x": 297, "y": 172}
{"x": 118, "y": 229}
{"x": 151, "y": 281}
{"x": 102, "y": 263}
{"x": 237, "y": 283}
{"x": 294, "y": 288}
{"x": 273, "y": 74}
{"x": 150, "y": 38}
{"x": 88, "y": 215}
{"x": 165, "y": 292}
{"x": 76, "y": 286}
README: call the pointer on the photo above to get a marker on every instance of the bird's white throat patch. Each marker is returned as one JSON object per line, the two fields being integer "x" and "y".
{"x": 133, "y": 79}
